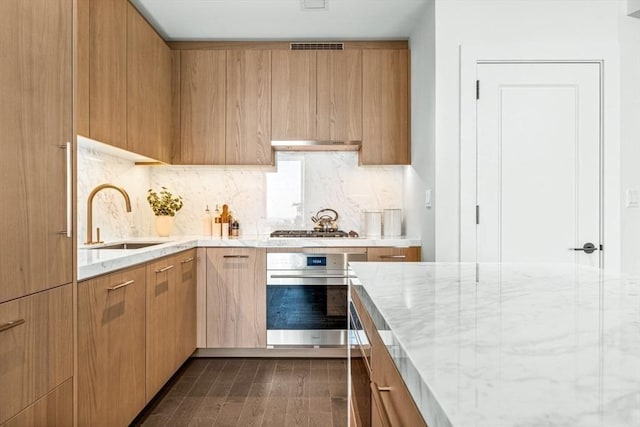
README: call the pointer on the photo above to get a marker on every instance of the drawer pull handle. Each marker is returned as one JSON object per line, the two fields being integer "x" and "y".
{"x": 235, "y": 256}
{"x": 375, "y": 392}
{"x": 10, "y": 325}
{"x": 393, "y": 256}
{"x": 188, "y": 260}
{"x": 167, "y": 268}
{"x": 122, "y": 285}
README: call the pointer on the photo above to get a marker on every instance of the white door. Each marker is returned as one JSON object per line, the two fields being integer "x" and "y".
{"x": 538, "y": 162}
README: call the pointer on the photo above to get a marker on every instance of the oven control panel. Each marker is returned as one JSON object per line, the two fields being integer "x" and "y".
{"x": 307, "y": 261}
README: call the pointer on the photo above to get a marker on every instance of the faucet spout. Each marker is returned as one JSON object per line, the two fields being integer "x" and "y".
{"x": 93, "y": 193}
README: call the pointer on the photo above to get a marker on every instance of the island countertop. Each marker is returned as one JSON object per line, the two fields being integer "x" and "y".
{"x": 523, "y": 345}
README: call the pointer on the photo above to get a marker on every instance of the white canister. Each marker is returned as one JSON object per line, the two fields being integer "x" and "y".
{"x": 372, "y": 223}
{"x": 392, "y": 222}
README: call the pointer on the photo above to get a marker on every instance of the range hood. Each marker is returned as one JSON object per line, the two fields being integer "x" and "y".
{"x": 312, "y": 145}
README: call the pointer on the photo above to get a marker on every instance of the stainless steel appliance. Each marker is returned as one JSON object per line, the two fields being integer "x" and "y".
{"x": 309, "y": 233}
{"x": 307, "y": 298}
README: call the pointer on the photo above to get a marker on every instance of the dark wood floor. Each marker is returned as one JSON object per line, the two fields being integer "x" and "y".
{"x": 252, "y": 392}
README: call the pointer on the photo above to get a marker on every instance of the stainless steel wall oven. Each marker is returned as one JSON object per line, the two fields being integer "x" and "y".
{"x": 307, "y": 298}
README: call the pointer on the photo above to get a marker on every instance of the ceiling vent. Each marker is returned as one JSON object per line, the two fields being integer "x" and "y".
{"x": 317, "y": 46}
{"x": 314, "y": 5}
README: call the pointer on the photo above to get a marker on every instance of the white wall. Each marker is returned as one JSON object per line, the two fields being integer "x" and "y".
{"x": 630, "y": 138}
{"x": 420, "y": 176}
{"x": 461, "y": 23}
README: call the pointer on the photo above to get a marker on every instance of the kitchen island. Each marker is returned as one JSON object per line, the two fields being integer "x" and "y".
{"x": 510, "y": 344}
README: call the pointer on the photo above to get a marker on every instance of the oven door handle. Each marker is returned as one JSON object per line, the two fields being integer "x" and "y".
{"x": 311, "y": 276}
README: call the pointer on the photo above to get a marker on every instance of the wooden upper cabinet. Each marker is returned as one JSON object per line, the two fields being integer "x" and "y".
{"x": 248, "y": 112}
{"x": 202, "y": 112}
{"x": 149, "y": 121}
{"x": 107, "y": 68}
{"x": 82, "y": 67}
{"x": 35, "y": 120}
{"x": 385, "y": 107}
{"x": 339, "y": 95}
{"x": 293, "y": 81}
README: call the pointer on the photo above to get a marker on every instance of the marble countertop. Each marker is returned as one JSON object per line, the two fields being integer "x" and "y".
{"x": 94, "y": 262}
{"x": 525, "y": 345}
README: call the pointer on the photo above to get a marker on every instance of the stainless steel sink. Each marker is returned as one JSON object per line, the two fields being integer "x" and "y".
{"x": 126, "y": 245}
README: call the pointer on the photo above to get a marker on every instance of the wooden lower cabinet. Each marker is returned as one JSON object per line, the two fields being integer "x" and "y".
{"x": 186, "y": 305}
{"x": 160, "y": 326}
{"x": 136, "y": 327}
{"x": 391, "y": 403}
{"x": 393, "y": 254}
{"x": 36, "y": 348}
{"x": 171, "y": 317}
{"x": 111, "y": 348}
{"x": 53, "y": 410}
{"x": 236, "y": 298}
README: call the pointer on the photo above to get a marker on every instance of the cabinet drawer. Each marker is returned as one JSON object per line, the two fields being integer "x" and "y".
{"x": 389, "y": 254}
{"x": 53, "y": 410}
{"x": 392, "y": 405}
{"x": 36, "y": 347}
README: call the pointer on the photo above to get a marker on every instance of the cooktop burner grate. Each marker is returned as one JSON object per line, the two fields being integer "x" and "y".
{"x": 308, "y": 233}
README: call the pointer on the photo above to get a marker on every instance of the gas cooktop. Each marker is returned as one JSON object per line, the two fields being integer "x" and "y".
{"x": 310, "y": 233}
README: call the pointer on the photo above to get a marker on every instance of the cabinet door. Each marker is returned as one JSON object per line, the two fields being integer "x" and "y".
{"x": 202, "y": 98}
{"x": 339, "y": 92}
{"x": 162, "y": 279}
{"x": 236, "y": 298}
{"x": 248, "y": 126}
{"x": 186, "y": 305}
{"x": 392, "y": 402}
{"x": 385, "y": 107}
{"x": 36, "y": 345}
{"x": 107, "y": 71}
{"x": 148, "y": 89}
{"x": 393, "y": 254}
{"x": 293, "y": 81}
{"x": 35, "y": 119}
{"x": 111, "y": 348}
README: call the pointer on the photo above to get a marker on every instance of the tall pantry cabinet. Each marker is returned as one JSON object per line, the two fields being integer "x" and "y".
{"x": 36, "y": 244}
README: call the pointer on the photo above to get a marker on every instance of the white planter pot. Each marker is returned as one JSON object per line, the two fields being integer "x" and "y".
{"x": 164, "y": 225}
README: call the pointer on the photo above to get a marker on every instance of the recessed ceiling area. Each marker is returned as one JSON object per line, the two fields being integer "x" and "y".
{"x": 281, "y": 19}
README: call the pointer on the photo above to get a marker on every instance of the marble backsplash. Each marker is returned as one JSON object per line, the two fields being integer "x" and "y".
{"x": 261, "y": 198}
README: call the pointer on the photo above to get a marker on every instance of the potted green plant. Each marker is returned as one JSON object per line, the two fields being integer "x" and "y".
{"x": 164, "y": 206}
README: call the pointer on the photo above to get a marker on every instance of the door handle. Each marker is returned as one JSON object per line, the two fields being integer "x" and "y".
{"x": 588, "y": 248}
{"x": 68, "y": 189}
